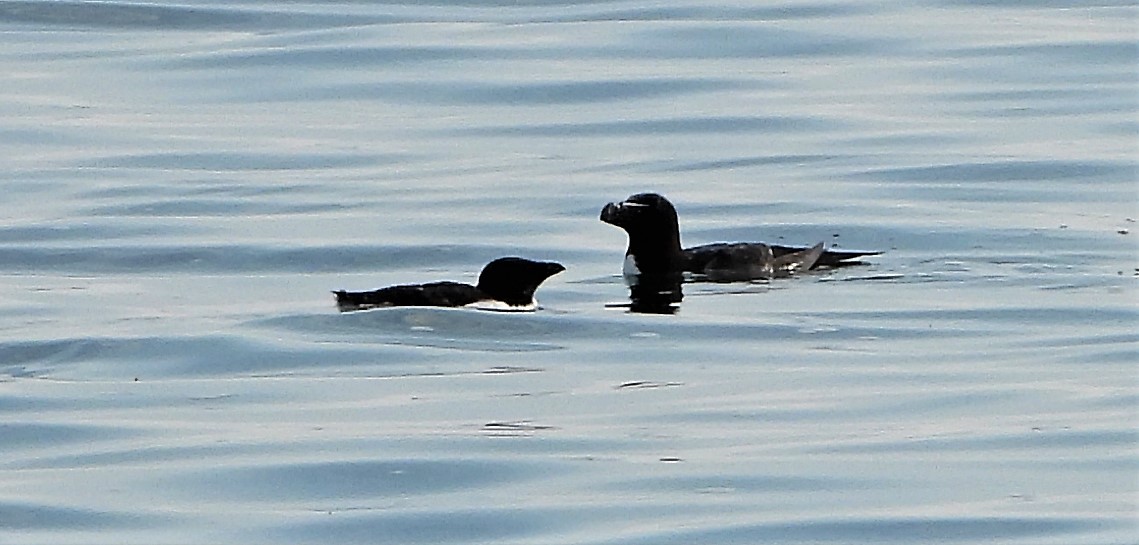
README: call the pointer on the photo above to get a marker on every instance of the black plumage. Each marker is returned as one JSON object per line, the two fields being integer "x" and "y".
{"x": 651, "y": 222}
{"x": 508, "y": 281}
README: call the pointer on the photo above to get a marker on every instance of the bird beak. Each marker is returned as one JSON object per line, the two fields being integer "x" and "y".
{"x": 609, "y": 213}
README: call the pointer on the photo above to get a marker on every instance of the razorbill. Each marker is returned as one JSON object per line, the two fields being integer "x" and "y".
{"x": 654, "y": 247}
{"x": 506, "y": 284}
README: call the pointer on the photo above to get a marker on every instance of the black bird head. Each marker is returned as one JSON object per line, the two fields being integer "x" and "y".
{"x": 513, "y": 279}
{"x": 654, "y": 234}
{"x": 649, "y": 214}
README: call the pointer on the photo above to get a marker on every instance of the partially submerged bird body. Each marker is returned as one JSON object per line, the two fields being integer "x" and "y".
{"x": 651, "y": 222}
{"x": 700, "y": 256}
{"x": 436, "y": 294}
{"x": 506, "y": 284}
{"x": 741, "y": 261}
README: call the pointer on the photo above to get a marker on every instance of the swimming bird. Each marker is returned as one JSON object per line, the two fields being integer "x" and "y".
{"x": 654, "y": 247}
{"x": 506, "y": 284}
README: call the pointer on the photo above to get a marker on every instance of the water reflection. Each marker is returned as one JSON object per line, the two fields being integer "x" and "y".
{"x": 655, "y": 294}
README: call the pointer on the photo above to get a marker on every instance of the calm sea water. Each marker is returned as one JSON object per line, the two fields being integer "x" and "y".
{"x": 185, "y": 183}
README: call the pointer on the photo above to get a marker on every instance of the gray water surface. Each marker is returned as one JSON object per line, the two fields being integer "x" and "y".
{"x": 185, "y": 183}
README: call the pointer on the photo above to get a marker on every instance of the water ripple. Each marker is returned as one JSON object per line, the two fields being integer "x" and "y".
{"x": 692, "y": 125}
{"x": 188, "y": 181}
{"x": 16, "y": 517}
{"x": 885, "y": 530}
{"x": 119, "y": 15}
{"x": 521, "y": 94}
{"x": 334, "y": 480}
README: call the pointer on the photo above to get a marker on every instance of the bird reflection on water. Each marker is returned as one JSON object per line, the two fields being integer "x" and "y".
{"x": 655, "y": 294}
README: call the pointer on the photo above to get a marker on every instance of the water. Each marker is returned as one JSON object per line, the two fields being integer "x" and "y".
{"x": 184, "y": 184}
